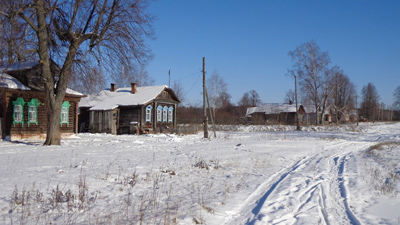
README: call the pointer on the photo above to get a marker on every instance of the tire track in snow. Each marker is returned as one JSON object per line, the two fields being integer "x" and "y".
{"x": 299, "y": 192}
{"x": 261, "y": 201}
{"x": 343, "y": 192}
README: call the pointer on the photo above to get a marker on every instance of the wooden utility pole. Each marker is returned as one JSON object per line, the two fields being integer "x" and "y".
{"x": 297, "y": 111}
{"x": 169, "y": 78}
{"x": 205, "y": 119}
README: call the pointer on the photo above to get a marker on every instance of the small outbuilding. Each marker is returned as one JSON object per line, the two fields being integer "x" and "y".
{"x": 129, "y": 110}
{"x": 274, "y": 113}
{"x": 22, "y": 103}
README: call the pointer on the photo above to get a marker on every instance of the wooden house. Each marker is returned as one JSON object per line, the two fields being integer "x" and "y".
{"x": 129, "y": 110}
{"x": 275, "y": 113}
{"x": 22, "y": 104}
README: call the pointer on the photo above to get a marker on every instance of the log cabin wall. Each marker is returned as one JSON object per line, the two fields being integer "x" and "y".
{"x": 39, "y": 130}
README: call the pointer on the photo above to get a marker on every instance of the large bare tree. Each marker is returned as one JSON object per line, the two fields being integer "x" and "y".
{"x": 310, "y": 65}
{"x": 93, "y": 33}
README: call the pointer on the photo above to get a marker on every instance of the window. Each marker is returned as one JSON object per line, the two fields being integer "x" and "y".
{"x": 64, "y": 113}
{"x": 170, "y": 114}
{"x": 165, "y": 115}
{"x": 33, "y": 112}
{"x": 159, "y": 113}
{"x": 148, "y": 113}
{"x": 18, "y": 114}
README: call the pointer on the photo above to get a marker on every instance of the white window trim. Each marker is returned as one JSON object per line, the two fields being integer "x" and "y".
{"x": 165, "y": 114}
{"x": 148, "y": 113}
{"x": 64, "y": 115}
{"x": 32, "y": 111}
{"x": 18, "y": 113}
{"x": 170, "y": 114}
{"x": 159, "y": 113}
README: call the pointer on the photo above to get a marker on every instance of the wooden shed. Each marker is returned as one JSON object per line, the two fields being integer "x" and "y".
{"x": 22, "y": 104}
{"x": 129, "y": 110}
{"x": 275, "y": 113}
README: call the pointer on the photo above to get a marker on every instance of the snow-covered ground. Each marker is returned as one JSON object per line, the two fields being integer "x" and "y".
{"x": 253, "y": 175}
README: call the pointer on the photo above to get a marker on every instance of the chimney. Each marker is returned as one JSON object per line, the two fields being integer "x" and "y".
{"x": 113, "y": 87}
{"x": 133, "y": 88}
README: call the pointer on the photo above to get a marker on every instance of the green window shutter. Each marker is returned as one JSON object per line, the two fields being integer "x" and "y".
{"x": 64, "y": 117}
{"x": 33, "y": 111}
{"x": 18, "y": 111}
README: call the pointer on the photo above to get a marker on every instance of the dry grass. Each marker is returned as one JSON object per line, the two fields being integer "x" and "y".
{"x": 383, "y": 145}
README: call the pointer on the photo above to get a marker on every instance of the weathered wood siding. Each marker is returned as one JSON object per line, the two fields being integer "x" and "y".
{"x": 39, "y": 131}
{"x": 128, "y": 114}
{"x": 100, "y": 121}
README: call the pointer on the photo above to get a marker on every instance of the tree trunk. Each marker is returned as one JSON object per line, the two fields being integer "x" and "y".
{"x": 53, "y": 104}
{"x": 53, "y": 136}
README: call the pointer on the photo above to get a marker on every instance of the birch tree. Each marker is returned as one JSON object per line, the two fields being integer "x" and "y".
{"x": 92, "y": 33}
{"x": 310, "y": 65}
{"x": 396, "y": 96}
{"x": 344, "y": 95}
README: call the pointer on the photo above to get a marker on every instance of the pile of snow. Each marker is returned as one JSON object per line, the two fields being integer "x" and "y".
{"x": 248, "y": 176}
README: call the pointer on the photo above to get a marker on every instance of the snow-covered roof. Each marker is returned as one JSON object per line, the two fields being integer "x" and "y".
{"x": 19, "y": 66}
{"x": 272, "y": 108}
{"x": 107, "y": 100}
{"x": 7, "y": 81}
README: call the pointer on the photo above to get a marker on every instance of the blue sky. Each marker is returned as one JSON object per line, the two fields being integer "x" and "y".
{"x": 247, "y": 43}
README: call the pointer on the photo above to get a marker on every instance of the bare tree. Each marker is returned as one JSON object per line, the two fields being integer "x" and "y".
{"x": 250, "y": 99}
{"x": 89, "y": 32}
{"x": 127, "y": 74}
{"x": 290, "y": 97}
{"x": 215, "y": 87}
{"x": 396, "y": 96}
{"x": 310, "y": 67}
{"x": 88, "y": 80}
{"x": 344, "y": 95}
{"x": 179, "y": 90}
{"x": 245, "y": 100}
{"x": 16, "y": 39}
{"x": 370, "y": 102}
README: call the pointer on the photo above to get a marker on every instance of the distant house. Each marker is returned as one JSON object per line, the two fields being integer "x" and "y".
{"x": 22, "y": 103}
{"x": 275, "y": 113}
{"x": 129, "y": 110}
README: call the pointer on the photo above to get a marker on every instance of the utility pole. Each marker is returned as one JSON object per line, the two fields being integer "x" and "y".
{"x": 205, "y": 119}
{"x": 169, "y": 78}
{"x": 297, "y": 111}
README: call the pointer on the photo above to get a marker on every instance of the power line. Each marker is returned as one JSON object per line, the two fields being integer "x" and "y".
{"x": 195, "y": 82}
